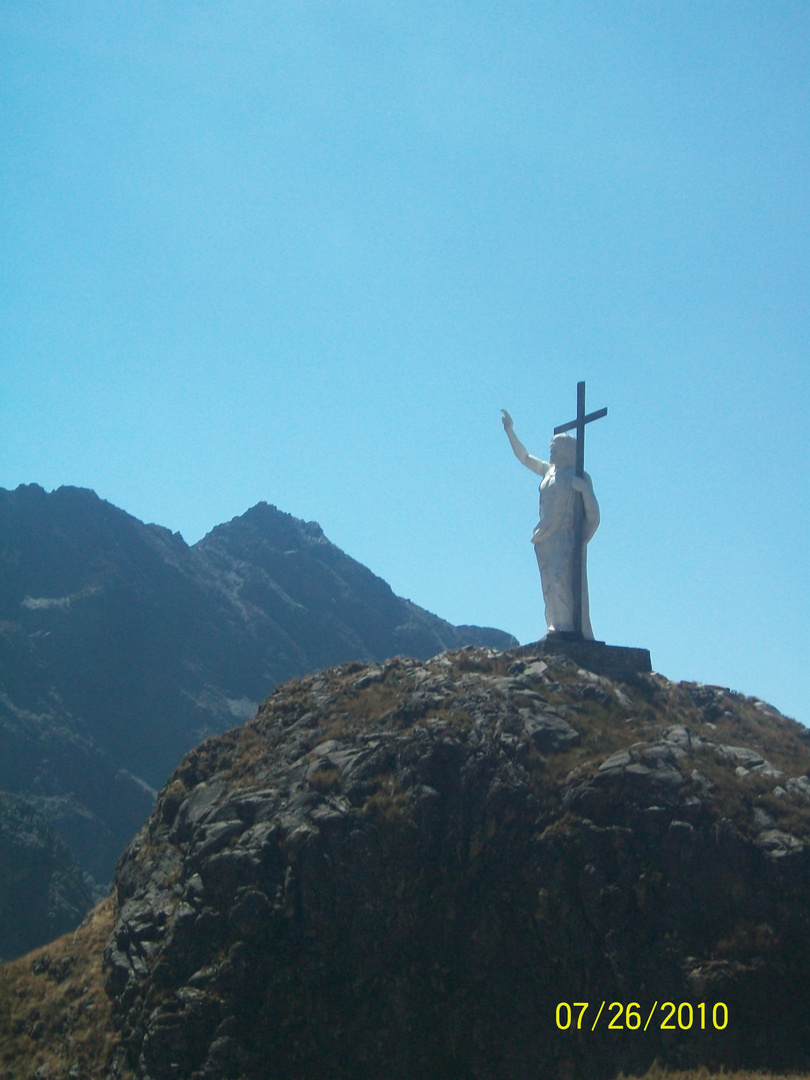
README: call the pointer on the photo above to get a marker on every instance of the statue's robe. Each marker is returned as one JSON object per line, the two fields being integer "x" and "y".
{"x": 553, "y": 540}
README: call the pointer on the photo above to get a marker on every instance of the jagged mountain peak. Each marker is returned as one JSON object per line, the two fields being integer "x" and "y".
{"x": 266, "y": 520}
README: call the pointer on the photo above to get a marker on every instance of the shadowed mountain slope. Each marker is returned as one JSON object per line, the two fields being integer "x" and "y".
{"x": 42, "y": 890}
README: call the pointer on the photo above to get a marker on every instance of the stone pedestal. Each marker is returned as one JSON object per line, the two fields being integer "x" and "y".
{"x": 614, "y": 661}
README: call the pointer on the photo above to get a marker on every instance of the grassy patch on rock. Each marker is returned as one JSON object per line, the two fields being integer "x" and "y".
{"x": 54, "y": 1013}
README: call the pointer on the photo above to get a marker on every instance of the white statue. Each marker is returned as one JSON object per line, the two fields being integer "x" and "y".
{"x": 553, "y": 538}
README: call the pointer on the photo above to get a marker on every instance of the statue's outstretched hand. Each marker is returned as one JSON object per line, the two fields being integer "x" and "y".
{"x": 506, "y": 420}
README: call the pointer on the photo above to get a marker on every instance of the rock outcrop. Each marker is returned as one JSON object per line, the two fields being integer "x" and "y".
{"x": 402, "y": 869}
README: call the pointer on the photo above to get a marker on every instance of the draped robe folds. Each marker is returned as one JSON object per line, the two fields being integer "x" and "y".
{"x": 553, "y": 540}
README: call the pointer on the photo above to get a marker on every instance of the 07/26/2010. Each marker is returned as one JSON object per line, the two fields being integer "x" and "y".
{"x": 629, "y": 1017}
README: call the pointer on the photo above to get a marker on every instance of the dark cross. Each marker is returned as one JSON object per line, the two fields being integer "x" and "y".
{"x": 579, "y": 424}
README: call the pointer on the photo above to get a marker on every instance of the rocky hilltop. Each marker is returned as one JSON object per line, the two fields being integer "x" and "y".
{"x": 402, "y": 869}
{"x": 121, "y": 647}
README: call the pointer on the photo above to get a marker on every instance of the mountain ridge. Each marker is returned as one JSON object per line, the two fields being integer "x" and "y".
{"x": 121, "y": 647}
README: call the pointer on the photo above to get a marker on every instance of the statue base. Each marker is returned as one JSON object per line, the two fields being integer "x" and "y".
{"x": 614, "y": 661}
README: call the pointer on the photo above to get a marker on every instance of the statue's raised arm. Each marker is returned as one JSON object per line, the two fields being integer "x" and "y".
{"x": 521, "y": 453}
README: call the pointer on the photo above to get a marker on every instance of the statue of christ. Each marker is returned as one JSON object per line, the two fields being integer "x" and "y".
{"x": 555, "y": 536}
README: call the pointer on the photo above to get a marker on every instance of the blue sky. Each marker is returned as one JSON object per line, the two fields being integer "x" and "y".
{"x": 305, "y": 252}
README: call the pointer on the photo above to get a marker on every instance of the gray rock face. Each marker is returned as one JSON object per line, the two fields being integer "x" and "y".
{"x": 401, "y": 869}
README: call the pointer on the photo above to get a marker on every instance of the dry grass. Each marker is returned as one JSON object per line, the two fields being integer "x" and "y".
{"x": 388, "y": 803}
{"x": 54, "y": 1013}
{"x": 374, "y": 701}
{"x": 325, "y": 780}
{"x": 661, "y": 1072}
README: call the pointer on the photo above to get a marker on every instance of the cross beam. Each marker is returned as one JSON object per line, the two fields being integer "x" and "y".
{"x": 576, "y": 570}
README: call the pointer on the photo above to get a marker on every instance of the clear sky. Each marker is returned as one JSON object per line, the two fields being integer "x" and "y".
{"x": 304, "y": 252}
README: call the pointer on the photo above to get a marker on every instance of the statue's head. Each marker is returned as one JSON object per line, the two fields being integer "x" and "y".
{"x": 563, "y": 452}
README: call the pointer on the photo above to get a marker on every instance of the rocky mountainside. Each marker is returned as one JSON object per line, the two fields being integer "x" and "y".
{"x": 42, "y": 889}
{"x": 121, "y": 647}
{"x": 403, "y": 869}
